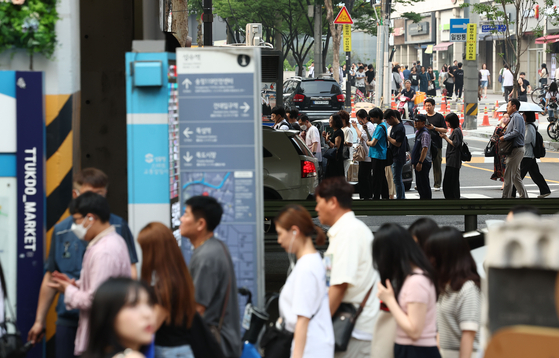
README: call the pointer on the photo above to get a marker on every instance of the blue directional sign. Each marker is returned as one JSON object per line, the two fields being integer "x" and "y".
{"x": 489, "y": 28}
{"x": 459, "y": 26}
{"x": 220, "y": 150}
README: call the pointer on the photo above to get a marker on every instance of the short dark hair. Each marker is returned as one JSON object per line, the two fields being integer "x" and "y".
{"x": 91, "y": 176}
{"x": 362, "y": 114}
{"x": 453, "y": 120}
{"x": 91, "y": 203}
{"x": 294, "y": 113}
{"x": 304, "y": 118}
{"x": 515, "y": 102}
{"x": 337, "y": 119}
{"x": 376, "y": 113}
{"x": 207, "y": 208}
{"x": 279, "y": 110}
{"x": 370, "y": 67}
{"x": 391, "y": 113}
{"x": 336, "y": 187}
{"x": 522, "y": 74}
{"x": 459, "y": 64}
{"x": 420, "y": 118}
{"x": 360, "y": 68}
{"x": 430, "y": 100}
{"x": 530, "y": 117}
{"x": 520, "y": 209}
{"x": 406, "y": 67}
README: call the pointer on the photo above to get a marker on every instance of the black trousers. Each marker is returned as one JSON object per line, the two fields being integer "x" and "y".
{"x": 508, "y": 90}
{"x": 404, "y": 351}
{"x": 458, "y": 87}
{"x": 530, "y": 165}
{"x": 422, "y": 181}
{"x": 451, "y": 183}
{"x": 449, "y": 89}
{"x": 380, "y": 185}
{"x": 365, "y": 181}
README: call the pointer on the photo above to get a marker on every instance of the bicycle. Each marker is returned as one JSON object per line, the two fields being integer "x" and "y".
{"x": 538, "y": 96}
{"x": 553, "y": 127}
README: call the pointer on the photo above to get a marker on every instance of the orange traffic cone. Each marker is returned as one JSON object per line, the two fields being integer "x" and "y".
{"x": 485, "y": 122}
{"x": 393, "y": 103}
{"x": 353, "y": 115}
{"x": 495, "y": 115}
{"x": 443, "y": 105}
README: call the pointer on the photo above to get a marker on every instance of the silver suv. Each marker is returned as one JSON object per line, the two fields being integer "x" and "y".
{"x": 290, "y": 169}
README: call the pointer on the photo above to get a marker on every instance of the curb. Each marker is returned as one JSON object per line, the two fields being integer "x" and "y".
{"x": 548, "y": 144}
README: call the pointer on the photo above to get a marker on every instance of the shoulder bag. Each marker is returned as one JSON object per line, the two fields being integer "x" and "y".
{"x": 344, "y": 321}
{"x": 389, "y": 156}
{"x": 489, "y": 150}
{"x": 506, "y": 147}
{"x": 276, "y": 341}
{"x": 216, "y": 330}
{"x": 360, "y": 153}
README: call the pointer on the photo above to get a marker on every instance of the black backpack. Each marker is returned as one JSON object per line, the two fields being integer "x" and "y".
{"x": 465, "y": 154}
{"x": 539, "y": 148}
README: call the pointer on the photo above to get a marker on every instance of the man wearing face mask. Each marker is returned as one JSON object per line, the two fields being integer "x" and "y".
{"x": 106, "y": 256}
{"x": 312, "y": 137}
{"x": 65, "y": 256}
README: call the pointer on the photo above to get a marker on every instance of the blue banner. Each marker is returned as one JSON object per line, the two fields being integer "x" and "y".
{"x": 31, "y": 198}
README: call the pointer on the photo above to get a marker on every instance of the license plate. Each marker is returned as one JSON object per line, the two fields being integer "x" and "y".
{"x": 320, "y": 102}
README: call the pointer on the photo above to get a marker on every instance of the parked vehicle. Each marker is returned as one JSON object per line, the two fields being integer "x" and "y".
{"x": 290, "y": 169}
{"x": 322, "y": 94}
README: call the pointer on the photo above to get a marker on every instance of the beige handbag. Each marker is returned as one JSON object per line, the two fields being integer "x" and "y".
{"x": 384, "y": 335}
{"x": 359, "y": 154}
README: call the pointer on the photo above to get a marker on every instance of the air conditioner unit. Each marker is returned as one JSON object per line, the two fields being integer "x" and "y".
{"x": 253, "y": 34}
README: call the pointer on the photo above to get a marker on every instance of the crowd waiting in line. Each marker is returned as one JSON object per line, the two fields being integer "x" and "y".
{"x": 382, "y": 148}
{"x": 411, "y": 293}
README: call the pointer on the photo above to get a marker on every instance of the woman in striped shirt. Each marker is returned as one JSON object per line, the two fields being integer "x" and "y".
{"x": 459, "y": 302}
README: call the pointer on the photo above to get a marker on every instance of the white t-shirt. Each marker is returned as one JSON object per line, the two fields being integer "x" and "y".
{"x": 348, "y": 138}
{"x": 360, "y": 79}
{"x": 349, "y": 259}
{"x": 305, "y": 294}
{"x": 364, "y": 138}
{"x": 282, "y": 125}
{"x": 508, "y": 78}
{"x": 484, "y": 74}
{"x": 314, "y": 137}
{"x": 311, "y": 71}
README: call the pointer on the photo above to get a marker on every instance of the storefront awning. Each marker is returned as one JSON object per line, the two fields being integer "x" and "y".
{"x": 549, "y": 39}
{"x": 443, "y": 46}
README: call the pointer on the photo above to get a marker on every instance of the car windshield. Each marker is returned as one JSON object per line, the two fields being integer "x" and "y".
{"x": 320, "y": 87}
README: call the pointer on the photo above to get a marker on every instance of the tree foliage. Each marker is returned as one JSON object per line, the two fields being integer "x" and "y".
{"x": 30, "y": 26}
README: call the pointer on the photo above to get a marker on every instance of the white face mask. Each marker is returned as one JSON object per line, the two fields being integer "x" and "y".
{"x": 80, "y": 230}
{"x": 304, "y": 127}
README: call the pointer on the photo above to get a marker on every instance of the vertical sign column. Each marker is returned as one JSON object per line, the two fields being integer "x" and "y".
{"x": 221, "y": 149}
{"x": 30, "y": 109}
{"x": 471, "y": 86}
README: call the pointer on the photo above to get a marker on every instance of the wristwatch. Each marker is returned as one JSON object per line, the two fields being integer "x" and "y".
{"x": 420, "y": 163}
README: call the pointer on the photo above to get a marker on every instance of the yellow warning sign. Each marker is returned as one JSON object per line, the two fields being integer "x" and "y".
{"x": 471, "y": 109}
{"x": 347, "y": 38}
{"x": 471, "y": 43}
{"x": 343, "y": 17}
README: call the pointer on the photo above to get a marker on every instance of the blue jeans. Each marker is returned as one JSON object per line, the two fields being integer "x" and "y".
{"x": 410, "y": 109}
{"x": 397, "y": 168}
{"x": 174, "y": 352}
{"x": 64, "y": 341}
{"x": 415, "y": 88}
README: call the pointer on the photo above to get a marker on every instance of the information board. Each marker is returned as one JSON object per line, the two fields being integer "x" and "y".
{"x": 458, "y": 29}
{"x": 471, "y": 42}
{"x": 220, "y": 148}
{"x": 347, "y": 38}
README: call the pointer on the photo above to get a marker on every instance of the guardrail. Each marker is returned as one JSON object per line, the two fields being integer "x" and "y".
{"x": 470, "y": 208}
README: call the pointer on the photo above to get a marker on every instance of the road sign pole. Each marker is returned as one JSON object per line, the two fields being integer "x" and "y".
{"x": 380, "y": 67}
{"x": 347, "y": 49}
{"x": 471, "y": 79}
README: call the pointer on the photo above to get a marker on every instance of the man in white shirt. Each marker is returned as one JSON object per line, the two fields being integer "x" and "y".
{"x": 278, "y": 116}
{"x": 349, "y": 264}
{"x": 508, "y": 82}
{"x": 312, "y": 137}
{"x": 311, "y": 70}
{"x": 360, "y": 80}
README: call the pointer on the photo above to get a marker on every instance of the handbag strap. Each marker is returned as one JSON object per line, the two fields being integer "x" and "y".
{"x": 222, "y": 317}
{"x": 362, "y": 305}
{"x": 367, "y": 131}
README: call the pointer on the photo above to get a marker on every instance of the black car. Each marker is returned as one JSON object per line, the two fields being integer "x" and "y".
{"x": 321, "y": 94}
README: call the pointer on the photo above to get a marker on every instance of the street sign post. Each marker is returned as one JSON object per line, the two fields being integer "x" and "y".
{"x": 489, "y": 28}
{"x": 343, "y": 17}
{"x": 458, "y": 29}
{"x": 347, "y": 38}
{"x": 220, "y": 151}
{"x": 471, "y": 42}
{"x": 471, "y": 88}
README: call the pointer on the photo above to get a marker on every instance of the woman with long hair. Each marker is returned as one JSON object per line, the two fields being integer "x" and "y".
{"x": 424, "y": 80}
{"x": 303, "y": 303}
{"x": 459, "y": 304}
{"x": 122, "y": 319}
{"x": 499, "y": 161}
{"x": 421, "y": 229}
{"x": 451, "y": 180}
{"x": 408, "y": 289}
{"x": 335, "y": 164}
{"x": 543, "y": 74}
{"x": 396, "y": 80}
{"x": 180, "y": 329}
{"x": 432, "y": 89}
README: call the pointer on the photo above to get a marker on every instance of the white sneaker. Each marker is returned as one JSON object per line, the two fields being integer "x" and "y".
{"x": 437, "y": 189}
{"x": 544, "y": 195}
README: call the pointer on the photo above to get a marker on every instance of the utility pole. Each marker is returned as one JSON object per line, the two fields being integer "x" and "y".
{"x": 386, "y": 11}
{"x": 318, "y": 38}
{"x": 208, "y": 19}
{"x": 471, "y": 84}
{"x": 379, "y": 90}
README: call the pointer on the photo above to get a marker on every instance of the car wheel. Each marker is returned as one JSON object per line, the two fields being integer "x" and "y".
{"x": 407, "y": 186}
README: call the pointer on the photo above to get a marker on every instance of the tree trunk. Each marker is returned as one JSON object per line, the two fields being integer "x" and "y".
{"x": 336, "y": 31}
{"x": 200, "y": 35}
